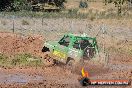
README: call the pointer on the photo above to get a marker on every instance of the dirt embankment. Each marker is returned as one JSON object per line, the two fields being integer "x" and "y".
{"x": 12, "y": 44}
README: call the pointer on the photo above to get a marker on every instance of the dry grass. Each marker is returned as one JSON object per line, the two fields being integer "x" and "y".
{"x": 3, "y": 22}
{"x": 21, "y": 60}
{"x": 24, "y": 22}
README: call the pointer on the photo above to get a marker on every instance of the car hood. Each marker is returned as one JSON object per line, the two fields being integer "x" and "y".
{"x": 51, "y": 43}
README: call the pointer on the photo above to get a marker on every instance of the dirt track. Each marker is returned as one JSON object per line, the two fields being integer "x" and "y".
{"x": 11, "y": 44}
{"x": 119, "y": 66}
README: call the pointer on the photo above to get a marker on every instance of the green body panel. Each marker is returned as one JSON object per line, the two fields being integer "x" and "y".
{"x": 62, "y": 52}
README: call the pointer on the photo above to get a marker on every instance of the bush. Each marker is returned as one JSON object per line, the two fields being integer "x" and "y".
{"x": 83, "y": 4}
{"x": 5, "y": 4}
{"x": 72, "y": 11}
{"x": 19, "y": 5}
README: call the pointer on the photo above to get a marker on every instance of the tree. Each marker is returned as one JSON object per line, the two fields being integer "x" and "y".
{"x": 117, "y": 3}
{"x": 5, "y": 4}
{"x": 21, "y": 5}
{"x": 15, "y": 5}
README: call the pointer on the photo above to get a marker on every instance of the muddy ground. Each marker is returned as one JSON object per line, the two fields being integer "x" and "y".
{"x": 117, "y": 41}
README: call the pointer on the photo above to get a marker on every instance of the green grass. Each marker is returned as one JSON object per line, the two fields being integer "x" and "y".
{"x": 4, "y": 61}
{"x": 26, "y": 60}
{"x": 72, "y": 13}
{"x": 130, "y": 52}
{"x": 20, "y": 60}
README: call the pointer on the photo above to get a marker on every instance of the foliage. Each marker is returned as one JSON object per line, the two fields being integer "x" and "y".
{"x": 3, "y": 58}
{"x": 118, "y": 4}
{"x": 18, "y": 5}
{"x": 4, "y": 61}
{"x": 83, "y": 4}
{"x": 20, "y": 60}
{"x": 5, "y": 4}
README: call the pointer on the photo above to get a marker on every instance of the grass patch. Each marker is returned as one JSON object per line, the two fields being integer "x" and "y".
{"x": 4, "y": 61}
{"x": 21, "y": 60}
{"x": 71, "y": 13}
{"x": 65, "y": 14}
{"x": 26, "y": 60}
{"x": 24, "y": 22}
{"x": 130, "y": 52}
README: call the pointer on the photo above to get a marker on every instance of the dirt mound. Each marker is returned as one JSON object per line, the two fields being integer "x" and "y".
{"x": 11, "y": 44}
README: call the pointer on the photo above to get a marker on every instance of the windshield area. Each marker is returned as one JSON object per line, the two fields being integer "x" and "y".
{"x": 65, "y": 41}
{"x": 81, "y": 44}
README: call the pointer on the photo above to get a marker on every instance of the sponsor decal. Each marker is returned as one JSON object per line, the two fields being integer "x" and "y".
{"x": 59, "y": 54}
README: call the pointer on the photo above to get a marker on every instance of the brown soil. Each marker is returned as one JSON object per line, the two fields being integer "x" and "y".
{"x": 55, "y": 76}
{"x": 12, "y": 44}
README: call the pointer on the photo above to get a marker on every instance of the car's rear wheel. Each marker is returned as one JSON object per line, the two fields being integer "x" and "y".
{"x": 89, "y": 53}
{"x": 70, "y": 61}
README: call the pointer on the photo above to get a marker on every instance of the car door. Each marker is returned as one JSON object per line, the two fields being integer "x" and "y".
{"x": 62, "y": 48}
{"x": 75, "y": 51}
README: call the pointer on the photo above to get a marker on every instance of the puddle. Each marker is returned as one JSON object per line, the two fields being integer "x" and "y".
{"x": 18, "y": 78}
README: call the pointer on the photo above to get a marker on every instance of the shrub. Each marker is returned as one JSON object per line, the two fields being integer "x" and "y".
{"x": 83, "y": 4}
{"x": 24, "y": 22}
{"x": 19, "y": 5}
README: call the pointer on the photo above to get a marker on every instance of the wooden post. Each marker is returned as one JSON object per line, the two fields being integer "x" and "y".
{"x": 42, "y": 21}
{"x": 13, "y": 24}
